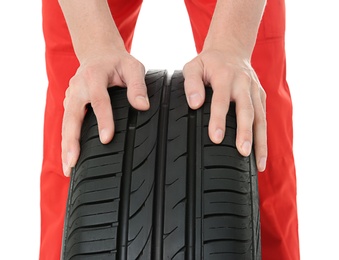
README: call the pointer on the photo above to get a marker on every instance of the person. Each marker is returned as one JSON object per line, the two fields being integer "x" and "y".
{"x": 240, "y": 53}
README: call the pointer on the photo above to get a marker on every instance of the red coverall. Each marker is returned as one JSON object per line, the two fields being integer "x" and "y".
{"x": 277, "y": 186}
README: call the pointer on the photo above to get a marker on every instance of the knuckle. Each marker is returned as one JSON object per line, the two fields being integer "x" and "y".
{"x": 247, "y": 132}
{"x": 247, "y": 111}
{"x": 134, "y": 65}
{"x": 89, "y": 72}
{"x": 221, "y": 102}
{"x": 137, "y": 64}
{"x": 98, "y": 101}
{"x": 218, "y": 116}
{"x": 65, "y": 103}
{"x": 72, "y": 82}
{"x": 261, "y": 148}
{"x": 263, "y": 94}
{"x": 137, "y": 86}
{"x": 261, "y": 145}
{"x": 245, "y": 78}
{"x": 260, "y": 120}
{"x": 259, "y": 89}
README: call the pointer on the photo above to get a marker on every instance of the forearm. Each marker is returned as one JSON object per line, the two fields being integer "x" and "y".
{"x": 91, "y": 26}
{"x": 234, "y": 25}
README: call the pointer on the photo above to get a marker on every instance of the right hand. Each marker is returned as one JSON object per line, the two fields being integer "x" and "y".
{"x": 89, "y": 85}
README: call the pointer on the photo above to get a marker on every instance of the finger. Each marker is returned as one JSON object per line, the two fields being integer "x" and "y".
{"x": 194, "y": 85}
{"x": 134, "y": 78}
{"x": 102, "y": 108}
{"x": 245, "y": 116}
{"x": 71, "y": 127}
{"x": 219, "y": 109}
{"x": 260, "y": 129}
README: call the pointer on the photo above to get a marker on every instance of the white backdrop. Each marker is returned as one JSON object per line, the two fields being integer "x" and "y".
{"x": 163, "y": 40}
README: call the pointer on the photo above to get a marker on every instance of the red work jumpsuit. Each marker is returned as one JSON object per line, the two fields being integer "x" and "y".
{"x": 277, "y": 186}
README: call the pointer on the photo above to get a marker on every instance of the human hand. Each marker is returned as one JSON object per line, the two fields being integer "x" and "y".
{"x": 89, "y": 85}
{"x": 232, "y": 79}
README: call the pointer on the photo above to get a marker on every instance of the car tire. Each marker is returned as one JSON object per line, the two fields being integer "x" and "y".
{"x": 161, "y": 189}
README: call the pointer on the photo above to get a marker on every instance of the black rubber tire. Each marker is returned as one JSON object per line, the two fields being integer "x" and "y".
{"x": 161, "y": 189}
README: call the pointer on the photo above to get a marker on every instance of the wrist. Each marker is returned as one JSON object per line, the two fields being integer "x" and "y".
{"x": 232, "y": 49}
{"x": 97, "y": 51}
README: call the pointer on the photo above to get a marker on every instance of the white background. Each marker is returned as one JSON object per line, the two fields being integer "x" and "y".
{"x": 163, "y": 40}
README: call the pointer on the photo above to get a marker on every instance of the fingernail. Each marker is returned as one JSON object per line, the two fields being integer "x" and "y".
{"x": 194, "y": 100}
{"x": 218, "y": 135}
{"x": 104, "y": 136}
{"x": 68, "y": 164}
{"x": 142, "y": 101}
{"x": 70, "y": 159}
{"x": 262, "y": 164}
{"x": 65, "y": 169}
{"x": 246, "y": 148}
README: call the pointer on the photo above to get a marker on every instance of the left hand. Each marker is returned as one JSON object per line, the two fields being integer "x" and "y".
{"x": 232, "y": 79}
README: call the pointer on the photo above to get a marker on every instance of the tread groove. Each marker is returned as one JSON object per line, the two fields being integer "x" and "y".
{"x": 191, "y": 185}
{"x": 162, "y": 189}
{"x": 160, "y": 173}
{"x": 126, "y": 180}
